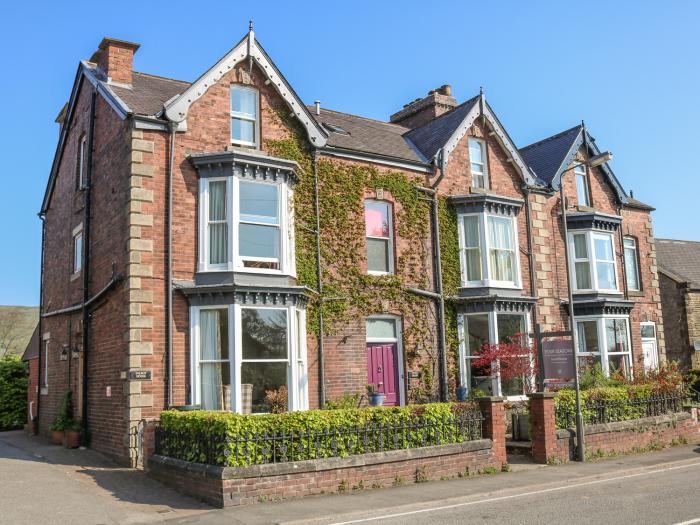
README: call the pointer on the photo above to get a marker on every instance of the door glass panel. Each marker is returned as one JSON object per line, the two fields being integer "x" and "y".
{"x": 380, "y": 328}
{"x": 648, "y": 331}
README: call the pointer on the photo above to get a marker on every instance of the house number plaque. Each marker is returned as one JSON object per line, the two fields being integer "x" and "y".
{"x": 140, "y": 375}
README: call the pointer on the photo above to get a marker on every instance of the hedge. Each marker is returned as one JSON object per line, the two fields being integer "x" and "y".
{"x": 565, "y": 402}
{"x": 192, "y": 435}
{"x": 13, "y": 392}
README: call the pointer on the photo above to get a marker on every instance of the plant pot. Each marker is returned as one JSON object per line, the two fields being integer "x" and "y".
{"x": 462, "y": 393}
{"x": 57, "y": 437}
{"x": 376, "y": 400}
{"x": 72, "y": 439}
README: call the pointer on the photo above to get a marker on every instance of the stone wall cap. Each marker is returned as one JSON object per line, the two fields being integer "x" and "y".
{"x": 542, "y": 395}
{"x": 492, "y": 399}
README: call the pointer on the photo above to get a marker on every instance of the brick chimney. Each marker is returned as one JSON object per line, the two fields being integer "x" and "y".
{"x": 116, "y": 59}
{"x": 422, "y": 110}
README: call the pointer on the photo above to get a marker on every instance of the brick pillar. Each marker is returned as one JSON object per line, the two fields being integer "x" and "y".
{"x": 543, "y": 427}
{"x": 495, "y": 425}
{"x": 149, "y": 441}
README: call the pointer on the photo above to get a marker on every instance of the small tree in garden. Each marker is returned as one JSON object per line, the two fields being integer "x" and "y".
{"x": 510, "y": 360}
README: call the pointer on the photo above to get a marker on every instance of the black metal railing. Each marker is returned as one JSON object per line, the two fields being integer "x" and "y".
{"x": 610, "y": 411}
{"x": 279, "y": 447}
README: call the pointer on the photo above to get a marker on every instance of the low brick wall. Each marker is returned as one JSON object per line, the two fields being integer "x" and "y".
{"x": 229, "y": 486}
{"x": 551, "y": 445}
{"x": 623, "y": 437}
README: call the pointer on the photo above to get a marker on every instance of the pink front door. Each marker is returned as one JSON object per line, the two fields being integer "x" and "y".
{"x": 383, "y": 370}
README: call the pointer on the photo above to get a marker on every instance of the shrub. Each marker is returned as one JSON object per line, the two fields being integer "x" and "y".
{"x": 13, "y": 392}
{"x": 344, "y": 401}
{"x": 64, "y": 417}
{"x": 238, "y": 439}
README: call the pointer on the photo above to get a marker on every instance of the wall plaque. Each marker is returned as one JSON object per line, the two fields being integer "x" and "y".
{"x": 140, "y": 375}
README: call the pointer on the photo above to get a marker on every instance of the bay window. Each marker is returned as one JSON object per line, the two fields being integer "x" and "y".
{"x": 244, "y": 116}
{"x": 244, "y": 226}
{"x": 380, "y": 237}
{"x": 631, "y": 264}
{"x": 593, "y": 261}
{"x": 249, "y": 359}
{"x": 479, "y": 329}
{"x": 478, "y": 163}
{"x": 488, "y": 250}
{"x": 604, "y": 342}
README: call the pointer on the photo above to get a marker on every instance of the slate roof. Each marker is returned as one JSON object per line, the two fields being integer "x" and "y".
{"x": 366, "y": 135}
{"x": 148, "y": 93}
{"x": 546, "y": 156}
{"x": 32, "y": 350}
{"x": 681, "y": 259}
{"x": 430, "y": 137}
{"x": 634, "y": 203}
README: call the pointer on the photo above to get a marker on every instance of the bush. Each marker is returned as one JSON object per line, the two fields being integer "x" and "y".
{"x": 197, "y": 431}
{"x": 13, "y": 392}
{"x": 64, "y": 417}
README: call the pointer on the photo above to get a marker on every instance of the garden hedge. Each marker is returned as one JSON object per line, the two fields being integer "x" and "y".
{"x": 191, "y": 435}
{"x": 13, "y": 392}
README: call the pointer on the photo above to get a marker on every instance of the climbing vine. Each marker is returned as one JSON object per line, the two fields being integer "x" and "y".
{"x": 348, "y": 291}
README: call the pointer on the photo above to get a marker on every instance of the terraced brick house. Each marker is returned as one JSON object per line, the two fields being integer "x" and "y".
{"x": 220, "y": 243}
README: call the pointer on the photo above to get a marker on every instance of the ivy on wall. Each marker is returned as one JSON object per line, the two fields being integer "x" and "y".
{"x": 349, "y": 292}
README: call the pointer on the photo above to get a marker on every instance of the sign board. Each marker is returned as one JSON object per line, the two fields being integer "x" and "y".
{"x": 139, "y": 375}
{"x": 558, "y": 360}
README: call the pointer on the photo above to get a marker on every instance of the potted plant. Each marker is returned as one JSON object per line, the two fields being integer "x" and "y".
{"x": 376, "y": 399}
{"x": 63, "y": 419}
{"x": 72, "y": 437}
{"x": 462, "y": 393}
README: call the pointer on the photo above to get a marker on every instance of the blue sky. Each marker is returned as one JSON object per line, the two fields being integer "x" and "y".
{"x": 628, "y": 68}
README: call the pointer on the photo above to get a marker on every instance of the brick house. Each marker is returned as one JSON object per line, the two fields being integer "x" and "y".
{"x": 679, "y": 276}
{"x": 182, "y": 224}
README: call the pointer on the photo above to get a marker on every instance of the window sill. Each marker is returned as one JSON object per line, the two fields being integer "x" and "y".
{"x": 636, "y": 293}
{"x": 75, "y": 275}
{"x": 379, "y": 274}
{"x": 591, "y": 292}
{"x": 491, "y": 284}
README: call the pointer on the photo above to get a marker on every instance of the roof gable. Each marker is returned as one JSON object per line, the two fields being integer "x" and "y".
{"x": 177, "y": 108}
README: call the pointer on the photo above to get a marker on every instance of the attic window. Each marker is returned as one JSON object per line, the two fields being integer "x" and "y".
{"x": 335, "y": 129}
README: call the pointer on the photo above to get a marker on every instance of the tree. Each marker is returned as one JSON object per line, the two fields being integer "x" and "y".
{"x": 510, "y": 360}
{"x": 11, "y": 330}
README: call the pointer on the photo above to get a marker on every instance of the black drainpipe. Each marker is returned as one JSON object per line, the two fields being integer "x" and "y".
{"x": 41, "y": 335}
{"x": 319, "y": 278}
{"x": 86, "y": 271}
{"x": 169, "y": 268}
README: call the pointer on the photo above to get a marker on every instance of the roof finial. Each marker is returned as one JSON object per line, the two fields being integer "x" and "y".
{"x": 250, "y": 25}
{"x": 481, "y": 90}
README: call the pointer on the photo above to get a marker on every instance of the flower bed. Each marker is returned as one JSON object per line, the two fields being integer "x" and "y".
{"x": 228, "y": 439}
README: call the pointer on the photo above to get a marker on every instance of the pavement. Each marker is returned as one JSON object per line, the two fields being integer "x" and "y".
{"x": 45, "y": 484}
{"x": 42, "y": 483}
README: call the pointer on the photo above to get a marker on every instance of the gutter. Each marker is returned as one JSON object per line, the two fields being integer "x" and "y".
{"x": 77, "y": 307}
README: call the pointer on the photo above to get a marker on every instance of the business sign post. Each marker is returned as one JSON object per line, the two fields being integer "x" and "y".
{"x": 558, "y": 360}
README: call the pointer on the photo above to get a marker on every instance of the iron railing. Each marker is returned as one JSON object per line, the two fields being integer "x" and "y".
{"x": 279, "y": 447}
{"x": 610, "y": 411}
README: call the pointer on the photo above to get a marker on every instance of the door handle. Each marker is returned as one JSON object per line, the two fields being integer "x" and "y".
{"x": 379, "y": 369}
{"x": 380, "y": 384}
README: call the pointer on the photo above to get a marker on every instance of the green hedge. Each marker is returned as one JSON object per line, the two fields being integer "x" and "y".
{"x": 623, "y": 397}
{"x": 205, "y": 437}
{"x": 13, "y": 392}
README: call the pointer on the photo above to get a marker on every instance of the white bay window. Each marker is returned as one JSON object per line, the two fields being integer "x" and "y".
{"x": 249, "y": 359}
{"x": 593, "y": 261}
{"x": 604, "y": 342}
{"x": 244, "y": 226}
{"x": 488, "y": 250}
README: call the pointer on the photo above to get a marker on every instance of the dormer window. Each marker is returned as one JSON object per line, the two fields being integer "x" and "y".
{"x": 479, "y": 167}
{"x": 244, "y": 116}
{"x": 582, "y": 195}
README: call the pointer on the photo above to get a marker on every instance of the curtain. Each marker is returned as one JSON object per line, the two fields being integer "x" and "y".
{"x": 217, "y": 223}
{"x": 502, "y": 255}
{"x": 472, "y": 253}
{"x": 210, "y": 349}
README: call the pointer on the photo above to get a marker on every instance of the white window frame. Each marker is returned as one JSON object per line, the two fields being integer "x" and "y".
{"x": 591, "y": 236}
{"x": 297, "y": 375}
{"x": 398, "y": 339}
{"x": 485, "y": 248}
{"x": 390, "y": 239}
{"x": 77, "y": 249}
{"x": 82, "y": 144}
{"x": 44, "y": 374}
{"x": 603, "y": 343}
{"x": 580, "y": 172}
{"x": 287, "y": 261}
{"x": 484, "y": 164}
{"x": 242, "y": 116}
{"x": 635, "y": 267}
{"x": 496, "y": 386}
